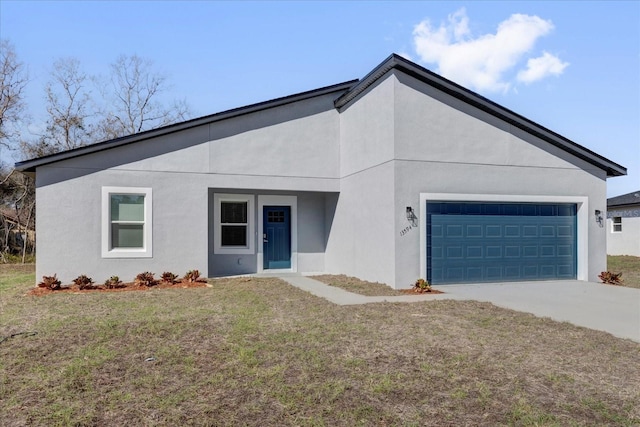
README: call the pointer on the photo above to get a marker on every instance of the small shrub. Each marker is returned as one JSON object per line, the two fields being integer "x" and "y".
{"x": 113, "y": 282}
{"x": 50, "y": 282}
{"x": 146, "y": 279}
{"x": 611, "y": 278}
{"x": 83, "y": 282}
{"x": 169, "y": 277}
{"x": 421, "y": 286}
{"x": 192, "y": 276}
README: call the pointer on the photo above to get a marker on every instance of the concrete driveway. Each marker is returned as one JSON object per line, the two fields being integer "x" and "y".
{"x": 608, "y": 308}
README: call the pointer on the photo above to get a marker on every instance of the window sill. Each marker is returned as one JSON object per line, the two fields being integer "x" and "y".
{"x": 124, "y": 253}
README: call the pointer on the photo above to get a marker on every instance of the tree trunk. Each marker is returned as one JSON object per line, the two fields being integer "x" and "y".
{"x": 26, "y": 231}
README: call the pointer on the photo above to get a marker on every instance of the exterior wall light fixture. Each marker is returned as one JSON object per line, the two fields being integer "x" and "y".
{"x": 598, "y": 214}
{"x": 410, "y": 214}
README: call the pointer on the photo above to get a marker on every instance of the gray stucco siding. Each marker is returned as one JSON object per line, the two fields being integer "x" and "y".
{"x": 446, "y": 146}
{"x": 436, "y": 144}
{"x": 361, "y": 241}
{"x": 627, "y": 240}
{"x": 182, "y": 226}
{"x": 312, "y": 209}
{"x": 352, "y": 172}
{"x": 70, "y": 232}
{"x": 440, "y": 128}
{"x": 415, "y": 178}
{"x": 366, "y": 130}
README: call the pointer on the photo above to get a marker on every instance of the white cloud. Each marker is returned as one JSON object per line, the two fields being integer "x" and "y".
{"x": 541, "y": 67}
{"x": 483, "y": 62}
{"x": 406, "y": 56}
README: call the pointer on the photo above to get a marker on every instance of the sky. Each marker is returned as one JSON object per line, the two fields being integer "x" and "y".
{"x": 573, "y": 67}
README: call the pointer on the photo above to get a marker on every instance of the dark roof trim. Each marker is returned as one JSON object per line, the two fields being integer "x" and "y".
{"x": 32, "y": 164}
{"x": 632, "y": 198}
{"x": 397, "y": 62}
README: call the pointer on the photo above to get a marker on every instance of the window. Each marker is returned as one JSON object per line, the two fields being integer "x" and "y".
{"x": 126, "y": 222}
{"x": 617, "y": 224}
{"x": 234, "y": 225}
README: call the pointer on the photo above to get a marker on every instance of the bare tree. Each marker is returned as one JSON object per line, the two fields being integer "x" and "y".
{"x": 17, "y": 213}
{"x": 13, "y": 80}
{"x": 135, "y": 92}
{"x": 68, "y": 99}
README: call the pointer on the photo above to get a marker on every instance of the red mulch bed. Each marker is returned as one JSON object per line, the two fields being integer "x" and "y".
{"x": 126, "y": 287}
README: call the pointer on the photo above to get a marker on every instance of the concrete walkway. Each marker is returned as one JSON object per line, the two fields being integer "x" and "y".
{"x": 596, "y": 306}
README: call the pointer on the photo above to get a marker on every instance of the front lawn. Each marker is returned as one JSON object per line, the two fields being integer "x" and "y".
{"x": 260, "y": 352}
{"x": 629, "y": 266}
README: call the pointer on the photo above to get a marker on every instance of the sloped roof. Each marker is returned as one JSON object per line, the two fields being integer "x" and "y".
{"x": 32, "y": 164}
{"x": 399, "y": 63}
{"x": 632, "y": 198}
{"x": 349, "y": 91}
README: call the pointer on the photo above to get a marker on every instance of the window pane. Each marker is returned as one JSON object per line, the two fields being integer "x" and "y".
{"x": 234, "y": 235}
{"x": 233, "y": 212}
{"x": 127, "y": 207}
{"x": 127, "y": 236}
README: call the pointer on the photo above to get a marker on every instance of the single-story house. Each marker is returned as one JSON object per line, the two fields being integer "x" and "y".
{"x": 623, "y": 224}
{"x": 400, "y": 175}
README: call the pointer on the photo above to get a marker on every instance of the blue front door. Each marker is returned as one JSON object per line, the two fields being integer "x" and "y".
{"x": 276, "y": 237}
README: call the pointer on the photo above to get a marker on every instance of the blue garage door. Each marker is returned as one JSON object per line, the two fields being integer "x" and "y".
{"x": 498, "y": 242}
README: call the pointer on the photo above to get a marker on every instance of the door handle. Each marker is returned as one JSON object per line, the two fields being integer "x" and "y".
{"x": 264, "y": 238}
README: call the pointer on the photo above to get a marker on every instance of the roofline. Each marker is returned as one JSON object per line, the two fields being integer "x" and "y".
{"x": 623, "y": 200}
{"x": 27, "y": 166}
{"x": 622, "y": 205}
{"x": 397, "y": 62}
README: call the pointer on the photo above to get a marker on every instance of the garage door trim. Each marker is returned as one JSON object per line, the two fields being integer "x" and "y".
{"x": 582, "y": 205}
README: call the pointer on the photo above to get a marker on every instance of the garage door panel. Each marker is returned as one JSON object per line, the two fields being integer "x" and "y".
{"x": 499, "y": 247}
{"x": 474, "y": 231}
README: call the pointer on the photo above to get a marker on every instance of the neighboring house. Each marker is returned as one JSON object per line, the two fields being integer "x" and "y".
{"x": 400, "y": 175}
{"x": 623, "y": 224}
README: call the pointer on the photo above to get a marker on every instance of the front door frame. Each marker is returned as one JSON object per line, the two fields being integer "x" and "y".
{"x": 276, "y": 200}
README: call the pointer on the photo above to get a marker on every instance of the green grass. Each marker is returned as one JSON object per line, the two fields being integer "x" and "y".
{"x": 629, "y": 266}
{"x": 260, "y": 352}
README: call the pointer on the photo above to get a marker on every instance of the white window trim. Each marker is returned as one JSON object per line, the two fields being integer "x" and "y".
{"x": 275, "y": 200}
{"x": 144, "y": 252}
{"x": 614, "y": 223}
{"x": 249, "y": 249}
{"x": 582, "y": 217}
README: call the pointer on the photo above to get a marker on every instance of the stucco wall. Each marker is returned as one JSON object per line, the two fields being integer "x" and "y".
{"x": 626, "y": 242}
{"x": 311, "y": 234}
{"x": 289, "y": 149}
{"x": 353, "y": 172}
{"x": 69, "y": 225}
{"x": 402, "y": 138}
{"x": 361, "y": 240}
{"x": 445, "y": 146}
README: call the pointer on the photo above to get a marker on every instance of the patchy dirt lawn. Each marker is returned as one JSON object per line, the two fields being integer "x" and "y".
{"x": 259, "y": 352}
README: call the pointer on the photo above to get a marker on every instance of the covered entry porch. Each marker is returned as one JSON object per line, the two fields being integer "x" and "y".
{"x": 255, "y": 231}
